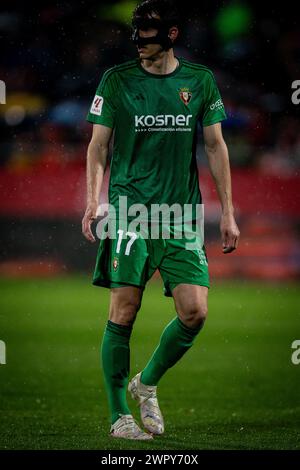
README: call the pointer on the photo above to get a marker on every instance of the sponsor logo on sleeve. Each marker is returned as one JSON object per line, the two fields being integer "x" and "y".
{"x": 217, "y": 105}
{"x": 96, "y": 107}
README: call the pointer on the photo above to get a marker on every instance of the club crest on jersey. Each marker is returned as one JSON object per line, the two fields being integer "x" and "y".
{"x": 185, "y": 95}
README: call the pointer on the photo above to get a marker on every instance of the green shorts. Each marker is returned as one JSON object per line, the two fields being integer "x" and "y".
{"x": 132, "y": 260}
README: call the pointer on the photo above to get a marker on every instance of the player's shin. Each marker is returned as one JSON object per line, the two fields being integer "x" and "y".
{"x": 115, "y": 355}
{"x": 176, "y": 339}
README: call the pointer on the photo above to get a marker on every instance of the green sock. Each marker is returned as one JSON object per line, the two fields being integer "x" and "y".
{"x": 175, "y": 340}
{"x": 115, "y": 355}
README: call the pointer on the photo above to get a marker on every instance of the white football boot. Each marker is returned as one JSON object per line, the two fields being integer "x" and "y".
{"x": 126, "y": 428}
{"x": 146, "y": 396}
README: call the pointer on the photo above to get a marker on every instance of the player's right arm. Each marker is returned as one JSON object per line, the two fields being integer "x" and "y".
{"x": 96, "y": 162}
{"x": 102, "y": 115}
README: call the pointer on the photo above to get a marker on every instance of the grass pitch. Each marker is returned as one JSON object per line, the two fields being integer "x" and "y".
{"x": 235, "y": 389}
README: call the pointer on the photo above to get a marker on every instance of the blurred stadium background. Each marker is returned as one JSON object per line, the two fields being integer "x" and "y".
{"x": 52, "y": 58}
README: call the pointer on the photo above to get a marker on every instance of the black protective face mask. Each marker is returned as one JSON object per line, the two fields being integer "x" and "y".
{"x": 162, "y": 36}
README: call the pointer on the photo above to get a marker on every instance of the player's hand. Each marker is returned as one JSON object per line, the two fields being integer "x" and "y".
{"x": 229, "y": 232}
{"x": 89, "y": 216}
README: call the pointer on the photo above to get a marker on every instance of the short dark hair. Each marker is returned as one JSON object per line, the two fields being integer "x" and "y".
{"x": 166, "y": 9}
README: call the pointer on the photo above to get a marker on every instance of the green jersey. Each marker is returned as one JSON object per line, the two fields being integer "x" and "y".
{"x": 154, "y": 118}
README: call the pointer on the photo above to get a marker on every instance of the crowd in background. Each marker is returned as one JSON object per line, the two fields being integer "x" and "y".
{"x": 53, "y": 55}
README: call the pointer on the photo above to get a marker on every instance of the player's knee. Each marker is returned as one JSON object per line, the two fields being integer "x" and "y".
{"x": 125, "y": 312}
{"x": 195, "y": 315}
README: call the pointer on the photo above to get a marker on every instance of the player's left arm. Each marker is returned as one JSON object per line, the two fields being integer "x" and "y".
{"x": 217, "y": 153}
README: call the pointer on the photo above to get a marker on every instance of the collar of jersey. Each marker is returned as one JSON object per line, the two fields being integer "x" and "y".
{"x": 162, "y": 75}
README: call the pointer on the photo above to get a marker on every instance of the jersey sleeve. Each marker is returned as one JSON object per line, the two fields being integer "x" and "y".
{"x": 103, "y": 107}
{"x": 213, "y": 108}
